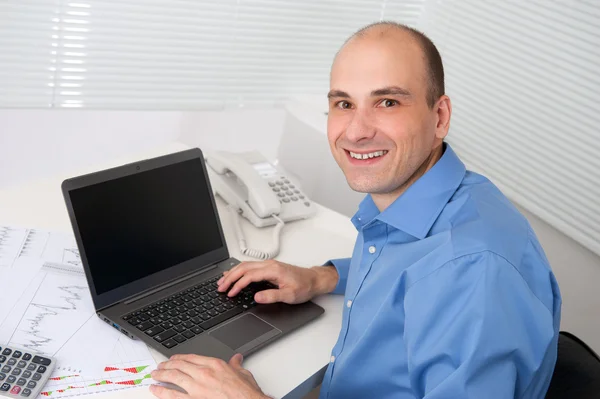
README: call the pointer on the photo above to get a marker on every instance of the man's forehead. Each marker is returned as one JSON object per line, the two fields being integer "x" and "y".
{"x": 378, "y": 61}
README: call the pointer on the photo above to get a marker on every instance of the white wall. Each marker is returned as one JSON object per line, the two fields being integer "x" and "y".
{"x": 234, "y": 129}
{"x": 39, "y": 143}
{"x": 577, "y": 270}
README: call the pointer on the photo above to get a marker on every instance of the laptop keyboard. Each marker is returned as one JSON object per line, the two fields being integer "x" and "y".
{"x": 180, "y": 317}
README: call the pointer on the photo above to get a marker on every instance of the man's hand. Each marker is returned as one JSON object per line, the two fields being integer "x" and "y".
{"x": 205, "y": 378}
{"x": 295, "y": 284}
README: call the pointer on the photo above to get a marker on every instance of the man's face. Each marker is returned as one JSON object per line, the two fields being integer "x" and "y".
{"x": 380, "y": 128}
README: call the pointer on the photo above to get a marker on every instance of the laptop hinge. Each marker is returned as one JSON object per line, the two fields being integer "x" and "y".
{"x": 167, "y": 285}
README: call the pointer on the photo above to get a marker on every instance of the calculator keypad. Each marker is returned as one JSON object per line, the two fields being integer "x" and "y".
{"x": 22, "y": 374}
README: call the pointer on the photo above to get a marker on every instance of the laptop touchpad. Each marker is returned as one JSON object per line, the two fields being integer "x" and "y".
{"x": 245, "y": 333}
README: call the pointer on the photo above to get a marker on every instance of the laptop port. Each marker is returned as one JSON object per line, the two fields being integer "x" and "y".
{"x": 116, "y": 326}
{"x": 124, "y": 332}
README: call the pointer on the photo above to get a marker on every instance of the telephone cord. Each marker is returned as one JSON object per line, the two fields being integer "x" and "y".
{"x": 256, "y": 253}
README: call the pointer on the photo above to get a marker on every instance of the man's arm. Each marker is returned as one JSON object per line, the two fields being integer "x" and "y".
{"x": 342, "y": 267}
{"x": 475, "y": 329}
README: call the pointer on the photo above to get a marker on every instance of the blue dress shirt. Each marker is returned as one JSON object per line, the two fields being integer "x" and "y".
{"x": 448, "y": 294}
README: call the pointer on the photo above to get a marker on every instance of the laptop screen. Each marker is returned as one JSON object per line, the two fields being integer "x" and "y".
{"x": 141, "y": 224}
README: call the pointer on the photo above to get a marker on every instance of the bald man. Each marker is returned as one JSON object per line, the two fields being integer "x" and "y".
{"x": 448, "y": 293}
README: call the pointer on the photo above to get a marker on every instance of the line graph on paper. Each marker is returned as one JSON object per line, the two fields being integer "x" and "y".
{"x": 55, "y": 316}
{"x": 54, "y": 247}
{"x": 59, "y": 307}
{"x": 130, "y": 366}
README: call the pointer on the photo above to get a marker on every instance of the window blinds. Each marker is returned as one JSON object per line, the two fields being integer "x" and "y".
{"x": 175, "y": 54}
{"x": 522, "y": 75}
{"x": 523, "y": 78}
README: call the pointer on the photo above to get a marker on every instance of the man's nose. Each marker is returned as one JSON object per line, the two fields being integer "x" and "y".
{"x": 361, "y": 127}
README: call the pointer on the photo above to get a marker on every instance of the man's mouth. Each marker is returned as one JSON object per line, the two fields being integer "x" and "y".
{"x": 367, "y": 155}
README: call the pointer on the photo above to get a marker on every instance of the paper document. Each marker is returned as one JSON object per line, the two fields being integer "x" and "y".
{"x": 47, "y": 309}
{"x": 49, "y": 246}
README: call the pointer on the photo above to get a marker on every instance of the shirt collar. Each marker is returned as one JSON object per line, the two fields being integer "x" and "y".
{"x": 415, "y": 211}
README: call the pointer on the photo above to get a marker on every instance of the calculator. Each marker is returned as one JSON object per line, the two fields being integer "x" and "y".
{"x": 23, "y": 374}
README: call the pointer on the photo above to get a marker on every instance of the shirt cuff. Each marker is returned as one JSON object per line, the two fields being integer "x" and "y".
{"x": 342, "y": 266}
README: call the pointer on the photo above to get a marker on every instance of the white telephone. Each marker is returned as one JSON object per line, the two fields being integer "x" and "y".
{"x": 258, "y": 190}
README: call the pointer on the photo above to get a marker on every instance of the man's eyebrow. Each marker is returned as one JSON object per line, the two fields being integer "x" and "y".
{"x": 337, "y": 93}
{"x": 391, "y": 90}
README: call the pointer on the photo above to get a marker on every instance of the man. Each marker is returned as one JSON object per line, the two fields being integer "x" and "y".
{"x": 448, "y": 293}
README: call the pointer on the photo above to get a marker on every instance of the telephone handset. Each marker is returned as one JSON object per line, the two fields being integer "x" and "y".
{"x": 258, "y": 190}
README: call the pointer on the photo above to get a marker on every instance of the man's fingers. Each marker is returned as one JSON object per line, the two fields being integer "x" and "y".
{"x": 166, "y": 393}
{"x": 268, "y": 296}
{"x": 181, "y": 365}
{"x": 176, "y": 377}
{"x": 198, "y": 360}
{"x": 236, "y": 361}
{"x": 236, "y": 273}
{"x": 254, "y": 276}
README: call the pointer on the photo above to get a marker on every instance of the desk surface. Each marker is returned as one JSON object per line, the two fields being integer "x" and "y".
{"x": 289, "y": 367}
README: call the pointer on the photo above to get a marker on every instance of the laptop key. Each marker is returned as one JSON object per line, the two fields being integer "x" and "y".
{"x": 220, "y": 318}
{"x": 154, "y": 330}
{"x": 188, "y": 334}
{"x": 167, "y": 325}
{"x": 165, "y": 335}
{"x": 170, "y": 343}
{"x": 179, "y": 328}
{"x": 144, "y": 326}
{"x": 197, "y": 330}
{"x": 180, "y": 339}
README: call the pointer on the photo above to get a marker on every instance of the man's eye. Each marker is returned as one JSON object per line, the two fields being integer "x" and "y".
{"x": 344, "y": 105}
{"x": 389, "y": 103}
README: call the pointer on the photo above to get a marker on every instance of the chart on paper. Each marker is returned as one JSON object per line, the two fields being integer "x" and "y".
{"x": 53, "y": 247}
{"x": 54, "y": 315}
{"x": 129, "y": 367}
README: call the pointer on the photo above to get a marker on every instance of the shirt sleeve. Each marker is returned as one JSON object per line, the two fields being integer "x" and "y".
{"x": 342, "y": 266}
{"x": 474, "y": 329}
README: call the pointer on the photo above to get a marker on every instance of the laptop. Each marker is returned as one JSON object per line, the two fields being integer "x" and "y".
{"x": 153, "y": 248}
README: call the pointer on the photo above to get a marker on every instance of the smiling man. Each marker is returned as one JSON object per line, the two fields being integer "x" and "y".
{"x": 448, "y": 293}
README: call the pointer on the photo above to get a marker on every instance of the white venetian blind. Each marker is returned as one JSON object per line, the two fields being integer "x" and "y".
{"x": 175, "y": 54}
{"x": 523, "y": 77}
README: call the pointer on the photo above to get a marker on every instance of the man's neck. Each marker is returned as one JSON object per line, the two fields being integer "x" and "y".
{"x": 382, "y": 201}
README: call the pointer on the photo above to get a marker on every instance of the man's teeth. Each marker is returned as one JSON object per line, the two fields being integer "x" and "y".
{"x": 369, "y": 155}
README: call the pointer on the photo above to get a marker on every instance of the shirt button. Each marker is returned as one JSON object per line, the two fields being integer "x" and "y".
{"x": 332, "y": 359}
{"x": 349, "y": 303}
{"x": 372, "y": 249}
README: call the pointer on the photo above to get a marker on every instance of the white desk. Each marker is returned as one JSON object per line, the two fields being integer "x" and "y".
{"x": 289, "y": 367}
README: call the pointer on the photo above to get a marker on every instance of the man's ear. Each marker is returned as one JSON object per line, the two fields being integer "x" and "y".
{"x": 443, "y": 108}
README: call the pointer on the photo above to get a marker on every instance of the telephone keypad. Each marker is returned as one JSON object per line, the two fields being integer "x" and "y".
{"x": 286, "y": 191}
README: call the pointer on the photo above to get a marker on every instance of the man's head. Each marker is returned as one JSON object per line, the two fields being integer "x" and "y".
{"x": 387, "y": 100}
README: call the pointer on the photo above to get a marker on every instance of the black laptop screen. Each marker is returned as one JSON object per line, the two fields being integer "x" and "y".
{"x": 144, "y": 223}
